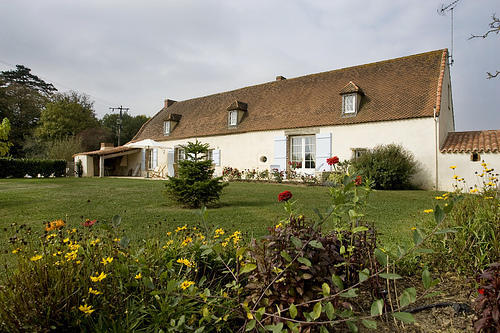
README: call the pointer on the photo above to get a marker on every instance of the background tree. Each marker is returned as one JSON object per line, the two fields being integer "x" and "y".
{"x": 194, "y": 185}
{"x": 130, "y": 125}
{"x": 91, "y": 138}
{"x": 4, "y": 137}
{"x": 494, "y": 28}
{"x": 22, "y": 97}
{"x": 66, "y": 115}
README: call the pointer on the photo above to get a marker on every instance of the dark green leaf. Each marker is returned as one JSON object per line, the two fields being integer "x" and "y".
{"x": 274, "y": 328}
{"x": 316, "y": 244}
{"x": 359, "y": 229}
{"x": 296, "y": 242}
{"x": 390, "y": 276}
{"x": 377, "y": 307}
{"x": 330, "y": 310}
{"x": 438, "y": 214}
{"x": 352, "y": 327}
{"x": 337, "y": 281}
{"x": 116, "y": 220}
{"x": 404, "y": 317}
{"x": 369, "y": 323}
{"x": 250, "y": 325}
{"x": 426, "y": 279}
{"x": 247, "y": 268}
{"x": 304, "y": 261}
{"x": 285, "y": 255}
{"x": 349, "y": 293}
{"x": 293, "y": 311}
{"x": 316, "y": 313}
{"x": 417, "y": 237}
{"x": 364, "y": 275}
{"x": 381, "y": 257}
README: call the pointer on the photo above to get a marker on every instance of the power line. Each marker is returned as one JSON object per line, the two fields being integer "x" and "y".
{"x": 121, "y": 108}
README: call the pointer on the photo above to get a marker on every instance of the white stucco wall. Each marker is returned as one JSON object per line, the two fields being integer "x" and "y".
{"x": 243, "y": 151}
{"x": 465, "y": 168}
{"x": 87, "y": 164}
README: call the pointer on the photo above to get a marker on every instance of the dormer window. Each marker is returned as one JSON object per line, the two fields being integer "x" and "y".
{"x": 166, "y": 127}
{"x": 236, "y": 112}
{"x": 351, "y": 98}
{"x": 233, "y": 118}
{"x": 348, "y": 103}
{"x": 170, "y": 122}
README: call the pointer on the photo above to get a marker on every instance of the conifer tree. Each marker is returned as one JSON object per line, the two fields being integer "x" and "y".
{"x": 194, "y": 185}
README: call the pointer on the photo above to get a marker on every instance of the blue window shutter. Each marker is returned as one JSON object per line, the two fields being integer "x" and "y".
{"x": 170, "y": 162}
{"x": 280, "y": 152}
{"x": 216, "y": 157}
{"x": 323, "y": 151}
{"x": 155, "y": 158}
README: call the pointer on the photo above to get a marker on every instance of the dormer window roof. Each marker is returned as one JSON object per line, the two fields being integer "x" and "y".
{"x": 169, "y": 123}
{"x": 351, "y": 99}
{"x": 236, "y": 111}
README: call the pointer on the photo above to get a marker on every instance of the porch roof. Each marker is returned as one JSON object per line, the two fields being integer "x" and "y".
{"x": 101, "y": 152}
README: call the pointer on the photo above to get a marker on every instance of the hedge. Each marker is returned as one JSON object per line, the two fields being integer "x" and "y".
{"x": 18, "y": 168}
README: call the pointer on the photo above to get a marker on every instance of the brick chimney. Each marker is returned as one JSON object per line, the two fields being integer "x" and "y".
{"x": 107, "y": 145}
{"x": 169, "y": 102}
{"x": 280, "y": 78}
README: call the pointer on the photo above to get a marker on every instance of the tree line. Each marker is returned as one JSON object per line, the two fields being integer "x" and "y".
{"x": 45, "y": 123}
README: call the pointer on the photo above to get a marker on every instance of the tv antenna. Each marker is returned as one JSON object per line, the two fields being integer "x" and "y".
{"x": 442, "y": 11}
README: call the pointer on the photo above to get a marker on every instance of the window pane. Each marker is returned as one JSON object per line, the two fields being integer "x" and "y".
{"x": 348, "y": 103}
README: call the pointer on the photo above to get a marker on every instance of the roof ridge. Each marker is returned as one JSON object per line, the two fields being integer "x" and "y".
{"x": 317, "y": 74}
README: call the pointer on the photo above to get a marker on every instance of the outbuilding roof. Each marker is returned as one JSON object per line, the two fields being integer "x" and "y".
{"x": 402, "y": 88}
{"x": 472, "y": 142}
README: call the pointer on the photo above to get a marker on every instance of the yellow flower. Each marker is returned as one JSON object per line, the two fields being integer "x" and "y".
{"x": 474, "y": 190}
{"x": 65, "y": 240}
{"x": 490, "y": 184}
{"x": 224, "y": 244}
{"x": 138, "y": 276}
{"x": 184, "y": 227}
{"x": 106, "y": 261}
{"x": 277, "y": 226}
{"x": 186, "y": 262}
{"x": 219, "y": 232}
{"x": 249, "y": 316}
{"x": 56, "y": 224}
{"x": 116, "y": 240}
{"x": 71, "y": 255}
{"x": 50, "y": 236}
{"x": 453, "y": 167}
{"x": 186, "y": 241}
{"x": 186, "y": 284}
{"x": 455, "y": 177}
{"x": 87, "y": 309}
{"x": 78, "y": 262}
{"x": 167, "y": 244}
{"x": 169, "y": 233}
{"x": 36, "y": 258}
{"x": 98, "y": 278}
{"x": 94, "y": 292}
{"x": 427, "y": 211}
{"x": 73, "y": 246}
{"x": 200, "y": 236}
{"x": 16, "y": 250}
{"x": 413, "y": 228}
{"x": 484, "y": 164}
{"x": 488, "y": 198}
{"x": 94, "y": 242}
{"x": 438, "y": 198}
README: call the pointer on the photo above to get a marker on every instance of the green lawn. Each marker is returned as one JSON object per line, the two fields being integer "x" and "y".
{"x": 249, "y": 207}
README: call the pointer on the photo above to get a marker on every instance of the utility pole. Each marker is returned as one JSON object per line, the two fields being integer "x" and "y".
{"x": 119, "y": 122}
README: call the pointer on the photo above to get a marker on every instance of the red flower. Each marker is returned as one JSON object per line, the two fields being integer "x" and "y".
{"x": 332, "y": 160}
{"x": 89, "y": 223}
{"x": 358, "y": 180}
{"x": 284, "y": 196}
{"x": 481, "y": 291}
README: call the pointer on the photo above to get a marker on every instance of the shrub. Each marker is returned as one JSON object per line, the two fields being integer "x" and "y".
{"x": 278, "y": 175}
{"x": 390, "y": 167}
{"x": 230, "y": 174}
{"x": 194, "y": 185}
{"x": 18, "y": 168}
{"x": 487, "y": 304}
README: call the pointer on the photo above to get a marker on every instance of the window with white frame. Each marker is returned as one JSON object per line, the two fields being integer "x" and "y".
{"x": 166, "y": 127}
{"x": 210, "y": 155}
{"x": 233, "y": 118}
{"x": 179, "y": 154}
{"x": 303, "y": 153}
{"x": 349, "y": 103}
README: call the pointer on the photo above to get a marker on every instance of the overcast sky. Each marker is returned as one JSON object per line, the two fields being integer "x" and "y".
{"x": 137, "y": 53}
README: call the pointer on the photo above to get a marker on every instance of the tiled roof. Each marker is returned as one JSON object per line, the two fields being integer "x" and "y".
{"x": 472, "y": 142}
{"x": 394, "y": 89}
{"x": 109, "y": 151}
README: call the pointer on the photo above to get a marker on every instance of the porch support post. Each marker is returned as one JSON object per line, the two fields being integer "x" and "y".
{"x": 101, "y": 166}
{"x": 143, "y": 161}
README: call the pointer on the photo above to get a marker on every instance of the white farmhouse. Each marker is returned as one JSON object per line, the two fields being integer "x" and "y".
{"x": 308, "y": 119}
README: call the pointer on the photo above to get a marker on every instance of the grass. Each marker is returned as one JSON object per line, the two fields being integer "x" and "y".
{"x": 249, "y": 207}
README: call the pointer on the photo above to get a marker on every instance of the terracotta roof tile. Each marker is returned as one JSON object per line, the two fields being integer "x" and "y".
{"x": 394, "y": 89}
{"x": 472, "y": 142}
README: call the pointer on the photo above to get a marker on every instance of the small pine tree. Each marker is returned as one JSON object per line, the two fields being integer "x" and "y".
{"x": 194, "y": 185}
